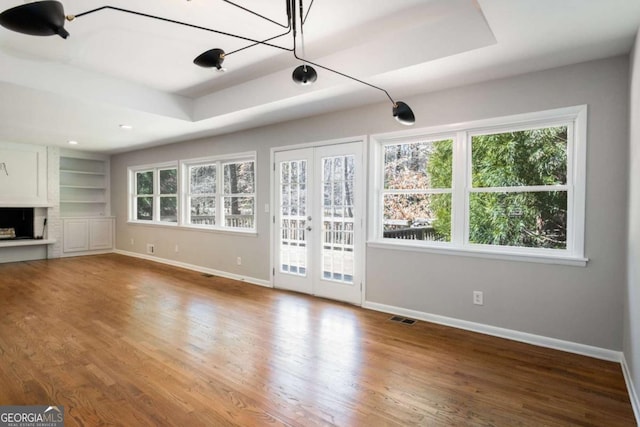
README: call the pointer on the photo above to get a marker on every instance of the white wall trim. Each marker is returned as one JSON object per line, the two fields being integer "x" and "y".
{"x": 479, "y": 252}
{"x": 633, "y": 395}
{"x": 273, "y": 197}
{"x": 200, "y": 269}
{"x": 539, "y": 340}
{"x": 575, "y": 120}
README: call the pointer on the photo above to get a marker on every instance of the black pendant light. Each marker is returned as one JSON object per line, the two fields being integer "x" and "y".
{"x": 47, "y": 18}
{"x": 304, "y": 74}
{"x": 210, "y": 59}
{"x": 403, "y": 113}
{"x": 41, "y": 18}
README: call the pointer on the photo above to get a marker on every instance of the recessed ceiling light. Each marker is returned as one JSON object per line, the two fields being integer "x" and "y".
{"x": 126, "y": 127}
{"x": 73, "y": 142}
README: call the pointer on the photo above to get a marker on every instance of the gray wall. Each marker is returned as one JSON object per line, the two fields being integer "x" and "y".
{"x": 632, "y": 301}
{"x": 579, "y": 304}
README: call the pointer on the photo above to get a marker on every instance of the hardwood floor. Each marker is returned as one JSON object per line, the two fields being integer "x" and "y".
{"x": 122, "y": 341}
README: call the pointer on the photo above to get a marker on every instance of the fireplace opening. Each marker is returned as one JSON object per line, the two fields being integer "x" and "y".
{"x": 18, "y": 219}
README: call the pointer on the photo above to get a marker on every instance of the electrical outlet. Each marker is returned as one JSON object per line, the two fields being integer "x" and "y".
{"x": 132, "y": 241}
{"x": 239, "y": 261}
{"x": 478, "y": 298}
{"x": 177, "y": 249}
{"x": 151, "y": 249}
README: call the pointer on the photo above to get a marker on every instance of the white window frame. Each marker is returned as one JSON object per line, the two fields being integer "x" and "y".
{"x": 576, "y": 119}
{"x": 219, "y": 162}
{"x": 158, "y": 204}
{"x": 183, "y": 206}
{"x": 134, "y": 196}
{"x": 132, "y": 208}
{"x": 223, "y": 196}
{"x": 187, "y": 195}
{"x": 430, "y": 138}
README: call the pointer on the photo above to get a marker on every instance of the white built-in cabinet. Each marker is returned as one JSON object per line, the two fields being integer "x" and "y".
{"x": 84, "y": 203}
{"x": 87, "y": 234}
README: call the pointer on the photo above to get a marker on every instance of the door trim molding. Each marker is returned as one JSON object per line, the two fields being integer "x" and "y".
{"x": 364, "y": 140}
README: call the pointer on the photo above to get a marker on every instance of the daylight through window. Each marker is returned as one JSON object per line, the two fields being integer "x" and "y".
{"x": 216, "y": 193}
{"x": 504, "y": 188}
{"x": 154, "y": 196}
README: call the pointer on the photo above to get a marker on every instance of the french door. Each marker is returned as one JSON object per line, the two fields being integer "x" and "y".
{"x": 318, "y": 221}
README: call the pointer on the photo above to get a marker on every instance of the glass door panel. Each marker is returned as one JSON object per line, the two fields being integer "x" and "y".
{"x": 293, "y": 210}
{"x": 292, "y": 220}
{"x": 338, "y": 174}
{"x": 322, "y": 257}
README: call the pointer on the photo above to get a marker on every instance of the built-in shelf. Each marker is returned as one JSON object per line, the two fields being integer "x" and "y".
{"x": 87, "y": 227}
{"x": 84, "y": 183}
{"x": 26, "y": 242}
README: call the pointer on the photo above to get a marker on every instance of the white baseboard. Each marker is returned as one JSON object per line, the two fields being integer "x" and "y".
{"x": 197, "y": 268}
{"x": 633, "y": 395}
{"x": 539, "y": 340}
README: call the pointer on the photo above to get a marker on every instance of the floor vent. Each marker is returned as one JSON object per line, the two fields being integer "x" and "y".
{"x": 207, "y": 275}
{"x": 404, "y": 320}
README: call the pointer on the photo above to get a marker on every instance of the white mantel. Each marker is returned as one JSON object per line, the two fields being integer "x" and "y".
{"x": 27, "y": 177}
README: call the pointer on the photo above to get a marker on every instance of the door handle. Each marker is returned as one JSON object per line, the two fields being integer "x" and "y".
{"x": 309, "y": 218}
{"x": 308, "y": 228}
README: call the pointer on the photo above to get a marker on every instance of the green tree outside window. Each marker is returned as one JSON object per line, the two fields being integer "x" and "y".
{"x": 526, "y": 217}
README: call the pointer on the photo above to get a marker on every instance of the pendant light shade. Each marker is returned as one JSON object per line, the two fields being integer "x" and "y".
{"x": 403, "y": 114}
{"x": 210, "y": 59}
{"x": 304, "y": 75}
{"x": 41, "y": 18}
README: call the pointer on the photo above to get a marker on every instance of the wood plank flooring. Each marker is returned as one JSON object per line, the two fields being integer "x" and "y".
{"x": 122, "y": 341}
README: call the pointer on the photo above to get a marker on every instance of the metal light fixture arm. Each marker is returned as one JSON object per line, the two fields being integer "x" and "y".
{"x": 293, "y": 24}
{"x": 173, "y": 21}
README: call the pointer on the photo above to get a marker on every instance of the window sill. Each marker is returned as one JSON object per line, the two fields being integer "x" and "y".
{"x": 483, "y": 253}
{"x": 234, "y": 231}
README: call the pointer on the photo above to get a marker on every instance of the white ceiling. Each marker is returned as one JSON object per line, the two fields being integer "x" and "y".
{"x": 117, "y": 68}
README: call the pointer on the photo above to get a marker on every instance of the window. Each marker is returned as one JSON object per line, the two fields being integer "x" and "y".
{"x": 154, "y": 196}
{"x": 239, "y": 194}
{"x": 168, "y": 194}
{"x": 416, "y": 197}
{"x": 213, "y": 193}
{"x": 220, "y": 192}
{"x": 144, "y": 195}
{"x": 518, "y": 194}
{"x": 201, "y": 198}
{"x": 509, "y": 186}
